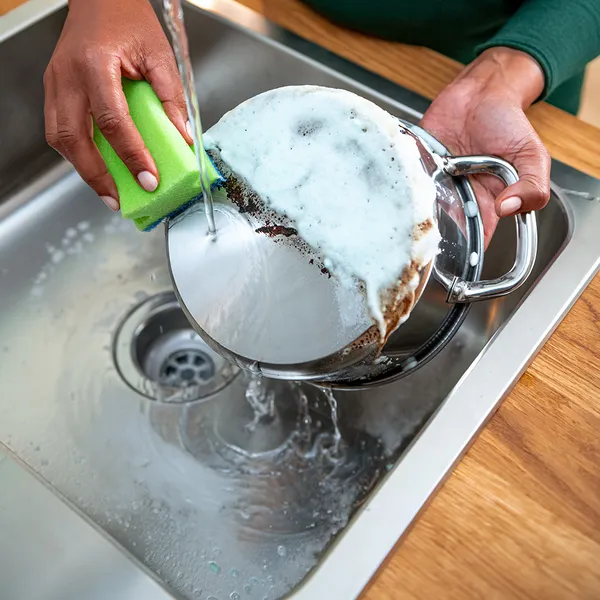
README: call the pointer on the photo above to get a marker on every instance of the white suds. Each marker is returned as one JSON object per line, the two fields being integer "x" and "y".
{"x": 344, "y": 172}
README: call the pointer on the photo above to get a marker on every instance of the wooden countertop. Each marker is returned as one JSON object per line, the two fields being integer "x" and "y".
{"x": 8, "y": 5}
{"x": 520, "y": 515}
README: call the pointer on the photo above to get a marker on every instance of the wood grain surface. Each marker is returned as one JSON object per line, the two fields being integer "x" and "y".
{"x": 8, "y": 5}
{"x": 520, "y": 515}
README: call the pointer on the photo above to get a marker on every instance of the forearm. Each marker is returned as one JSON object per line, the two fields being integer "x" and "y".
{"x": 562, "y": 36}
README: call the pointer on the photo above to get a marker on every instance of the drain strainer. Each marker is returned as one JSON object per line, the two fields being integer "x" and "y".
{"x": 186, "y": 367}
{"x": 158, "y": 354}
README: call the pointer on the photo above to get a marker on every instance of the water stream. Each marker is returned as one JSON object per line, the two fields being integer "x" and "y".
{"x": 173, "y": 14}
{"x": 337, "y": 435}
{"x": 261, "y": 400}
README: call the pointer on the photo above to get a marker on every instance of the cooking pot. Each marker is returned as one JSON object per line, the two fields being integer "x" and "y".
{"x": 265, "y": 307}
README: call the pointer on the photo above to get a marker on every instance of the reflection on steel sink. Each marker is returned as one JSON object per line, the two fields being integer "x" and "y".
{"x": 203, "y": 500}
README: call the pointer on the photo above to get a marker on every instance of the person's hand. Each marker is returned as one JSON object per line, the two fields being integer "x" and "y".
{"x": 103, "y": 41}
{"x": 482, "y": 112}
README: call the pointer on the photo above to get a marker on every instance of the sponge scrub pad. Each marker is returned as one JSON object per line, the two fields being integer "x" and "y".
{"x": 176, "y": 162}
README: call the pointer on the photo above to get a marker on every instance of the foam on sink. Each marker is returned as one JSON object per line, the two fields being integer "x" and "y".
{"x": 74, "y": 241}
{"x": 347, "y": 176}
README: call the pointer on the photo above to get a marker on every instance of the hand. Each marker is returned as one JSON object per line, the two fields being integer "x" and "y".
{"x": 102, "y": 41}
{"x": 482, "y": 112}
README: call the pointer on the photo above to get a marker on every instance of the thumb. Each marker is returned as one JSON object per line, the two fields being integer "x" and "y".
{"x": 532, "y": 191}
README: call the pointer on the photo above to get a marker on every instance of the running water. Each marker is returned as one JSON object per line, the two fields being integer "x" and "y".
{"x": 337, "y": 434}
{"x": 304, "y": 419}
{"x": 261, "y": 400}
{"x": 173, "y": 14}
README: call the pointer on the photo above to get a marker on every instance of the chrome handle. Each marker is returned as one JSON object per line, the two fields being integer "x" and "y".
{"x": 470, "y": 291}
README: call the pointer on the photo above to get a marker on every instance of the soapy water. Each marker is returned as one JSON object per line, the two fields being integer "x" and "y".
{"x": 287, "y": 481}
{"x": 173, "y": 14}
{"x": 74, "y": 242}
{"x": 271, "y": 420}
{"x": 330, "y": 139}
{"x": 272, "y": 505}
{"x": 399, "y": 177}
{"x": 262, "y": 401}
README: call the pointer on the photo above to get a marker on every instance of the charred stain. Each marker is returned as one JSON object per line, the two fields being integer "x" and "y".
{"x": 275, "y": 230}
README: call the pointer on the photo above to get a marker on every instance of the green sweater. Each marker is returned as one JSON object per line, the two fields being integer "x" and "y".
{"x": 562, "y": 35}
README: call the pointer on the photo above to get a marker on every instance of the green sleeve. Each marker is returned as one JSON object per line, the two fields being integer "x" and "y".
{"x": 562, "y": 35}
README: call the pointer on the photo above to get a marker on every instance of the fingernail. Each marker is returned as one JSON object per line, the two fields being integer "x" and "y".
{"x": 148, "y": 181}
{"x": 510, "y": 205}
{"x": 188, "y": 128}
{"x": 110, "y": 202}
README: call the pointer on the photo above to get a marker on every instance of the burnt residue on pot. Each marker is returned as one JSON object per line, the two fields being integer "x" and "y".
{"x": 275, "y": 230}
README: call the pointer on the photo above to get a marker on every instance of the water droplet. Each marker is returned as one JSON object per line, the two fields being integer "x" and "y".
{"x": 247, "y": 589}
{"x": 281, "y": 550}
{"x": 234, "y": 596}
{"x": 57, "y": 256}
{"x": 214, "y": 567}
{"x": 234, "y": 572}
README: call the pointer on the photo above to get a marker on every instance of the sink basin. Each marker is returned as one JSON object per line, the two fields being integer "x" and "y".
{"x": 199, "y": 496}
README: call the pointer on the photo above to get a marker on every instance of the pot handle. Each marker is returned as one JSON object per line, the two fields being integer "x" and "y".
{"x": 460, "y": 290}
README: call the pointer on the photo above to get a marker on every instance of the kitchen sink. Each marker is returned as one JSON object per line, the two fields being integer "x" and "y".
{"x": 111, "y": 488}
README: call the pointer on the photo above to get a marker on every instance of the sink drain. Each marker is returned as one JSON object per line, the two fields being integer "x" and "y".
{"x": 159, "y": 355}
{"x": 186, "y": 367}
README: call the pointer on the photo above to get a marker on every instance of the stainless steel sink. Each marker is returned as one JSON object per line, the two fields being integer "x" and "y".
{"x": 198, "y": 496}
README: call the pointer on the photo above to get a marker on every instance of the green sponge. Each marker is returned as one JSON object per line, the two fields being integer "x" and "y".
{"x": 176, "y": 162}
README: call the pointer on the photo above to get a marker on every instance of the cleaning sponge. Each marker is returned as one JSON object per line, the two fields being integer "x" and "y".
{"x": 176, "y": 162}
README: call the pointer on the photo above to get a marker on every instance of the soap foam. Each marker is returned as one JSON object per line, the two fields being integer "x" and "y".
{"x": 348, "y": 177}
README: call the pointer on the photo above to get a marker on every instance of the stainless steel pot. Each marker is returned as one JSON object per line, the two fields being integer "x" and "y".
{"x": 264, "y": 306}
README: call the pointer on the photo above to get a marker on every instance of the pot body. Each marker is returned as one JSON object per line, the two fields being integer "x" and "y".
{"x": 267, "y": 305}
